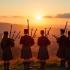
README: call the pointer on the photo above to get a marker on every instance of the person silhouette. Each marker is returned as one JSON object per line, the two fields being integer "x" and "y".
{"x": 62, "y": 42}
{"x": 68, "y": 50}
{"x": 26, "y": 41}
{"x": 43, "y": 43}
{"x": 6, "y": 44}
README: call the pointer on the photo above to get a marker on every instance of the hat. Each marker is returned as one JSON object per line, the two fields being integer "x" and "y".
{"x": 62, "y": 30}
{"x": 42, "y": 32}
{"x": 26, "y": 31}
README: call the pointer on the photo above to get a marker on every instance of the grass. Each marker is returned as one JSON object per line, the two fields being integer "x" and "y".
{"x": 34, "y": 66}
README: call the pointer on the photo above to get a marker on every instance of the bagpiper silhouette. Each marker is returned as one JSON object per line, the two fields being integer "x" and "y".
{"x": 43, "y": 42}
{"x": 6, "y": 44}
{"x": 67, "y": 54}
{"x": 26, "y": 41}
{"x": 62, "y": 42}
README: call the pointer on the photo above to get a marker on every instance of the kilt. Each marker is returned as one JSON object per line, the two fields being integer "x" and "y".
{"x": 26, "y": 53}
{"x": 67, "y": 53}
{"x": 61, "y": 52}
{"x": 43, "y": 53}
{"x": 7, "y": 54}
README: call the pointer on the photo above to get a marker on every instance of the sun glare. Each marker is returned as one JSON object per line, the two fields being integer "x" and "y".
{"x": 38, "y": 17}
{"x": 38, "y": 20}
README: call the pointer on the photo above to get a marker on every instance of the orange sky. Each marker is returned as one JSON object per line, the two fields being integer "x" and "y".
{"x": 32, "y": 8}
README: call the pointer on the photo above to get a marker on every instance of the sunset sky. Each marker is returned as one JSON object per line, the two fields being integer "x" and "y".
{"x": 33, "y": 8}
{"x": 41, "y": 14}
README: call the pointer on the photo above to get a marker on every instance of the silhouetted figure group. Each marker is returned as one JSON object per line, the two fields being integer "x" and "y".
{"x": 27, "y": 42}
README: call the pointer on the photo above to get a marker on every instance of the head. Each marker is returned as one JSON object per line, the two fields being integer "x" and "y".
{"x": 68, "y": 33}
{"x": 42, "y": 32}
{"x": 26, "y": 31}
{"x": 62, "y": 31}
{"x": 6, "y": 34}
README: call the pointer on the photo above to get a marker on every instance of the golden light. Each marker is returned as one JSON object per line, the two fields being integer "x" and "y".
{"x": 38, "y": 17}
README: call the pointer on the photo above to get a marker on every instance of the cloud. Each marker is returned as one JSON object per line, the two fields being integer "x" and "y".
{"x": 17, "y": 16}
{"x": 11, "y": 17}
{"x": 4, "y": 16}
{"x": 47, "y": 16}
{"x": 65, "y": 15}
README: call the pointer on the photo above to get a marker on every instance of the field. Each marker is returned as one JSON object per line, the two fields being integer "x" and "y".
{"x": 17, "y": 64}
{"x": 34, "y": 66}
{"x": 52, "y": 50}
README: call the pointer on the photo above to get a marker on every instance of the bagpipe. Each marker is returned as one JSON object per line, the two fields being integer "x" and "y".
{"x": 12, "y": 36}
{"x": 65, "y": 30}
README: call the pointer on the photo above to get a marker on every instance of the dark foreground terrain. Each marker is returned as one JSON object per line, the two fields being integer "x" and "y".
{"x": 34, "y": 66}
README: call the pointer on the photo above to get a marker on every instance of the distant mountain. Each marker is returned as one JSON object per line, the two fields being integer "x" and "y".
{"x": 6, "y": 27}
{"x": 15, "y": 28}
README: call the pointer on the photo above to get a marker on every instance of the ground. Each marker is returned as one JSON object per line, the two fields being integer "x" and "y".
{"x": 34, "y": 66}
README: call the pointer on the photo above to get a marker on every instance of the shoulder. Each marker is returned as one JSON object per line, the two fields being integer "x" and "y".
{"x": 64, "y": 36}
{"x": 30, "y": 38}
{"x": 22, "y": 36}
{"x": 46, "y": 38}
{"x": 42, "y": 38}
{"x": 8, "y": 38}
{"x": 39, "y": 38}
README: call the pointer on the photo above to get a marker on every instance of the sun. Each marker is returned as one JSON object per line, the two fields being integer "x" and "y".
{"x": 38, "y": 17}
{"x": 38, "y": 20}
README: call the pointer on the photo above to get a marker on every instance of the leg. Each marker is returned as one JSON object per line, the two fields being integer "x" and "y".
{"x": 26, "y": 65}
{"x": 62, "y": 63}
{"x": 42, "y": 65}
{"x": 69, "y": 64}
{"x": 6, "y": 65}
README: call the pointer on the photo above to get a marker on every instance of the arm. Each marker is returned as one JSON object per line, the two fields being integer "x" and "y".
{"x": 21, "y": 40}
{"x": 12, "y": 42}
{"x": 48, "y": 41}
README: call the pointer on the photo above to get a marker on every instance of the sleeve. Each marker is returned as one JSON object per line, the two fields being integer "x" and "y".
{"x": 32, "y": 41}
{"x": 38, "y": 41}
{"x": 12, "y": 42}
{"x": 58, "y": 40}
{"x": 48, "y": 42}
{"x": 21, "y": 40}
{"x": 1, "y": 44}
